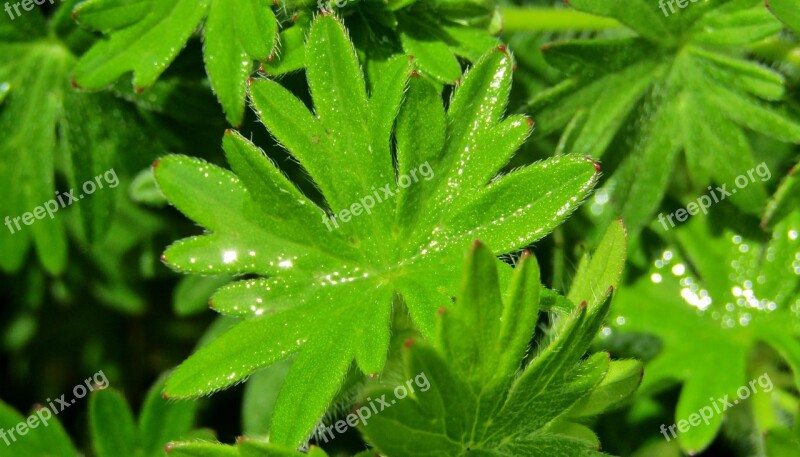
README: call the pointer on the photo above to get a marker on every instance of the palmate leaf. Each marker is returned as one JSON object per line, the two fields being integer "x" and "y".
{"x": 146, "y": 35}
{"x": 41, "y": 118}
{"x": 711, "y": 299}
{"x": 681, "y": 68}
{"x": 477, "y": 401}
{"x": 327, "y": 288}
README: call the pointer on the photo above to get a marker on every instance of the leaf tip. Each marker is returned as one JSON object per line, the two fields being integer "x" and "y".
{"x": 138, "y": 89}
{"x": 530, "y": 122}
{"x": 442, "y": 310}
{"x": 595, "y": 163}
{"x": 239, "y": 439}
{"x": 582, "y": 306}
{"x": 169, "y": 446}
{"x": 502, "y": 48}
{"x": 408, "y": 343}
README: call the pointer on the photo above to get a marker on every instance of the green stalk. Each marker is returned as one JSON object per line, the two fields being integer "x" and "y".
{"x": 550, "y": 19}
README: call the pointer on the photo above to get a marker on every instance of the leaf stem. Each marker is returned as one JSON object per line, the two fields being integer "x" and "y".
{"x": 553, "y": 19}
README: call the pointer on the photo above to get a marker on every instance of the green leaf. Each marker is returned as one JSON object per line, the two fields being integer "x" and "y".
{"x": 236, "y": 34}
{"x": 145, "y": 36}
{"x": 161, "y": 421}
{"x": 193, "y": 293}
{"x": 260, "y": 395}
{"x": 113, "y": 429}
{"x": 603, "y": 271}
{"x": 781, "y": 442}
{"x": 676, "y": 70}
{"x": 451, "y": 413}
{"x": 331, "y": 283}
{"x": 290, "y": 55}
{"x": 29, "y": 117}
{"x": 144, "y": 47}
{"x": 200, "y": 449}
{"x": 621, "y": 380}
{"x": 736, "y": 27}
{"x": 786, "y": 12}
{"x": 43, "y": 434}
{"x": 106, "y": 16}
{"x": 432, "y": 55}
{"x": 711, "y": 299}
{"x": 144, "y": 189}
{"x": 639, "y": 15}
{"x": 50, "y": 127}
{"x": 784, "y": 201}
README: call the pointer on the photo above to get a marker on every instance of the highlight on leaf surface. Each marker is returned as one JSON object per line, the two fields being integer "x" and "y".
{"x": 325, "y": 292}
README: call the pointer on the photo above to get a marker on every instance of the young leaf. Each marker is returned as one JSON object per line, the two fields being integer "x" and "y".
{"x": 113, "y": 429}
{"x": 486, "y": 414}
{"x": 332, "y": 279}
